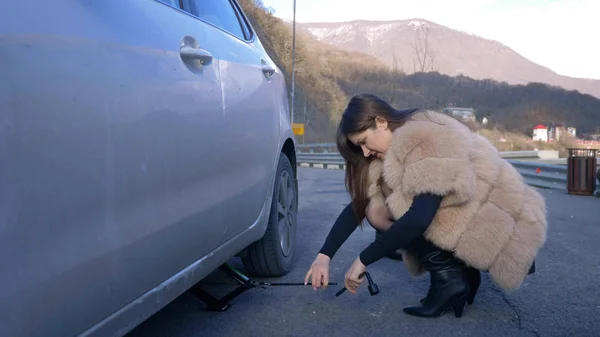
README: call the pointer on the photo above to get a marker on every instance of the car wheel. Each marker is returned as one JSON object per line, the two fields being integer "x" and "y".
{"x": 273, "y": 254}
{"x": 395, "y": 255}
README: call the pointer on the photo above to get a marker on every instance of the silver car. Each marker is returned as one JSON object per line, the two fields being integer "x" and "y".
{"x": 143, "y": 144}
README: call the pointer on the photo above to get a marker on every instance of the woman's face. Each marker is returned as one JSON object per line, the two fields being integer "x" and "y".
{"x": 374, "y": 141}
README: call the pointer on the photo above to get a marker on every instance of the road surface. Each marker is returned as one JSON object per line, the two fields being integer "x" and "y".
{"x": 561, "y": 299}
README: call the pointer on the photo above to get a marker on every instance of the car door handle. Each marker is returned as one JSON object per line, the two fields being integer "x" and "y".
{"x": 196, "y": 53}
{"x": 268, "y": 70}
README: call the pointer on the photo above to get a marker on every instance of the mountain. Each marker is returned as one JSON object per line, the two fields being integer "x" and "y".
{"x": 327, "y": 76}
{"x": 420, "y": 45}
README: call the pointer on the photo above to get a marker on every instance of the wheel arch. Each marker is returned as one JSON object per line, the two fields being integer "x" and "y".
{"x": 289, "y": 149}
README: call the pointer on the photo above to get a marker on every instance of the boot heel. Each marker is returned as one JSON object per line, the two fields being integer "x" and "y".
{"x": 474, "y": 278}
{"x": 471, "y": 297}
{"x": 458, "y": 305}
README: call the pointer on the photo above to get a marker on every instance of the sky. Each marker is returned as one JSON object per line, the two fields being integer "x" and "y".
{"x": 563, "y": 35}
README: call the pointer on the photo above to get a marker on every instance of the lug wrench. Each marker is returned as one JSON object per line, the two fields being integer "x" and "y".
{"x": 373, "y": 288}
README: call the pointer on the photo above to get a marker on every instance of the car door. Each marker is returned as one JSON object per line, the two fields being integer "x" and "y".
{"x": 249, "y": 141}
{"x": 110, "y": 116}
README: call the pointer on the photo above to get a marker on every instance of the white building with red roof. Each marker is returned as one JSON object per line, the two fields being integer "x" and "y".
{"x": 540, "y": 133}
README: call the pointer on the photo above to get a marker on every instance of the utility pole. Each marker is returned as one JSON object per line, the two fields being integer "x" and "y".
{"x": 293, "y": 64}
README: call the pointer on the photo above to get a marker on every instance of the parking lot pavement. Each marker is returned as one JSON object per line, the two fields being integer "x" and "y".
{"x": 561, "y": 299}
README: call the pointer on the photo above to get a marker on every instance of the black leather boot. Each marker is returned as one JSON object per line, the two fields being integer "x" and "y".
{"x": 449, "y": 284}
{"x": 474, "y": 279}
{"x": 532, "y": 268}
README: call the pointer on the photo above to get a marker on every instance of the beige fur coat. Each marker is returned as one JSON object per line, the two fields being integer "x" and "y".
{"x": 489, "y": 217}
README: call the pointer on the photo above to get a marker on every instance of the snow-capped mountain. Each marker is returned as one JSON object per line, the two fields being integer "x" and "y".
{"x": 417, "y": 44}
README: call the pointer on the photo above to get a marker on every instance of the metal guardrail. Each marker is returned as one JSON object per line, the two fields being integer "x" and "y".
{"x": 542, "y": 175}
{"x": 534, "y": 172}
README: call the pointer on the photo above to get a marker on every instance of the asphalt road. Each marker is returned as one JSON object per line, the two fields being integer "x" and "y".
{"x": 561, "y": 299}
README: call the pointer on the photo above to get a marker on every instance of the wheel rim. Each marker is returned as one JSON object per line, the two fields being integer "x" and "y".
{"x": 285, "y": 213}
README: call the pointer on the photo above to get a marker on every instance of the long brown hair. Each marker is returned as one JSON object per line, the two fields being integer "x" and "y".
{"x": 359, "y": 116}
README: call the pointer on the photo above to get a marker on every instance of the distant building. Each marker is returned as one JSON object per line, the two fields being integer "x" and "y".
{"x": 466, "y": 114}
{"x": 540, "y": 133}
{"x": 553, "y": 132}
{"x": 592, "y": 136}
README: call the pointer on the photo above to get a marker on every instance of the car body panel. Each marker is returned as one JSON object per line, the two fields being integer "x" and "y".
{"x": 252, "y": 125}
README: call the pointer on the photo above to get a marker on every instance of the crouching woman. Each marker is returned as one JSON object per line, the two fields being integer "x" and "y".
{"x": 456, "y": 206}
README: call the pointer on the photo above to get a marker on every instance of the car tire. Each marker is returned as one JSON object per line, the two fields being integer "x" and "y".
{"x": 395, "y": 255}
{"x": 274, "y": 253}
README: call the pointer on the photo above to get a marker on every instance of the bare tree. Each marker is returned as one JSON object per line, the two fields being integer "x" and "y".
{"x": 395, "y": 69}
{"x": 423, "y": 51}
{"x": 425, "y": 56}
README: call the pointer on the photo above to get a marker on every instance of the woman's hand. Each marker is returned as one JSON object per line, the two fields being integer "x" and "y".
{"x": 319, "y": 271}
{"x": 352, "y": 279}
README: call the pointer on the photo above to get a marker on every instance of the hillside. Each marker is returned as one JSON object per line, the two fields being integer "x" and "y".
{"x": 511, "y": 107}
{"x": 319, "y": 97}
{"x": 421, "y": 45}
{"x": 326, "y": 76}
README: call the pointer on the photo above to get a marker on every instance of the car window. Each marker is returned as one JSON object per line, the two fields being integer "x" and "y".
{"x": 217, "y": 12}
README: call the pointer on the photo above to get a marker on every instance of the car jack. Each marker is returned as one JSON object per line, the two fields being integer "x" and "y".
{"x": 245, "y": 283}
